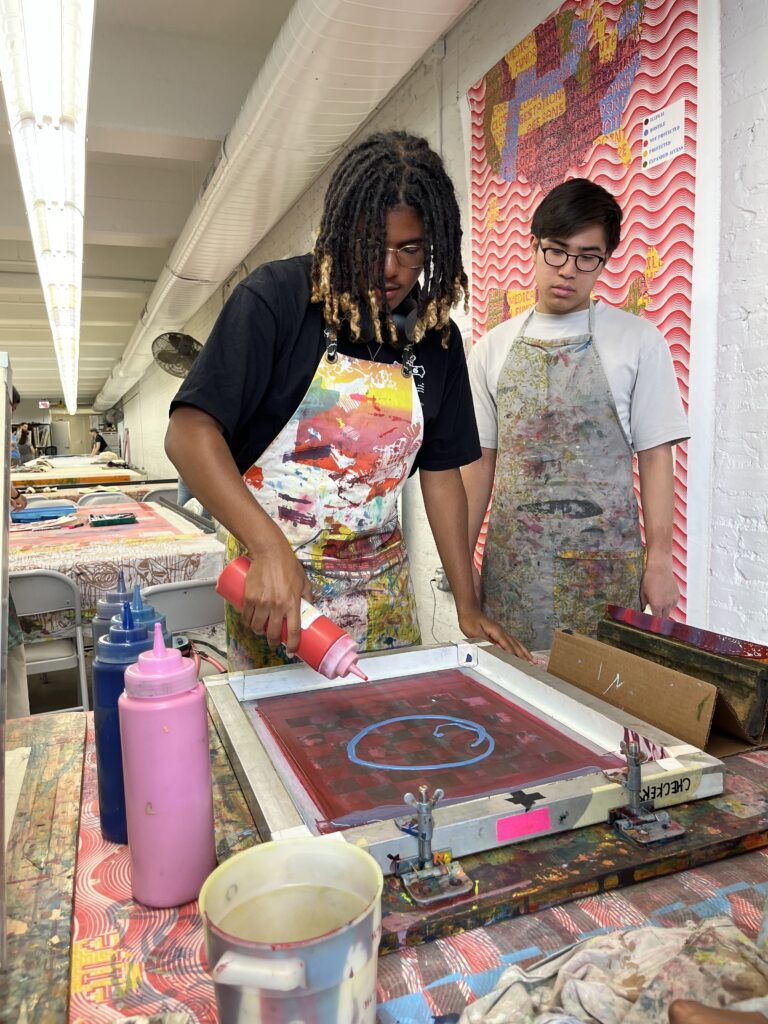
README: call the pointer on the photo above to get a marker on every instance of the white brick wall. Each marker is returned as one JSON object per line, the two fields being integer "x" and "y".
{"x": 739, "y": 530}
{"x": 145, "y": 410}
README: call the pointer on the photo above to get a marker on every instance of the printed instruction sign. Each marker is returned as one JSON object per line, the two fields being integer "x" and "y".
{"x": 664, "y": 134}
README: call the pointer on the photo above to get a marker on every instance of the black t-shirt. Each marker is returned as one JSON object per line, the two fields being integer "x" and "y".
{"x": 264, "y": 349}
{"x": 99, "y": 440}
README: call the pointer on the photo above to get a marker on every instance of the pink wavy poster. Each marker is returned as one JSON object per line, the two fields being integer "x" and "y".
{"x": 607, "y": 91}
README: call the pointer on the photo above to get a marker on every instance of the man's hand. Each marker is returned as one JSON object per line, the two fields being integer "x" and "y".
{"x": 687, "y": 1011}
{"x": 658, "y": 588}
{"x": 476, "y": 624}
{"x": 18, "y": 502}
{"x": 274, "y": 586}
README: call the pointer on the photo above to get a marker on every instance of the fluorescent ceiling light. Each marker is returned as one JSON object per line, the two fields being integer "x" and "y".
{"x": 45, "y": 55}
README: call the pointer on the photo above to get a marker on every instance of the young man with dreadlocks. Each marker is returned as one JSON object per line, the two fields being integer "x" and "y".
{"x": 326, "y": 381}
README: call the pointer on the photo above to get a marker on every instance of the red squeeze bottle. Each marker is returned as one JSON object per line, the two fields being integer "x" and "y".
{"x": 322, "y": 645}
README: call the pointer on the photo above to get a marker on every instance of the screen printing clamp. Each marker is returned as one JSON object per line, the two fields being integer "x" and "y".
{"x": 431, "y": 876}
{"x": 638, "y": 820}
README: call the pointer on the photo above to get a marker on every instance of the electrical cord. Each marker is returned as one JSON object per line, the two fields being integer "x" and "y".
{"x": 213, "y": 647}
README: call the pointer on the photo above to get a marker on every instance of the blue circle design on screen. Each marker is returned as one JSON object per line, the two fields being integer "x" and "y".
{"x": 483, "y": 737}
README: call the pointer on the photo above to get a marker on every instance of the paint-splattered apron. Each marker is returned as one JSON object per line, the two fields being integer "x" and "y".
{"x": 331, "y": 480}
{"x": 564, "y": 533}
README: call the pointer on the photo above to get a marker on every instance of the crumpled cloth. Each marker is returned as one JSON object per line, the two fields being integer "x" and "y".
{"x": 174, "y": 1017}
{"x": 631, "y": 977}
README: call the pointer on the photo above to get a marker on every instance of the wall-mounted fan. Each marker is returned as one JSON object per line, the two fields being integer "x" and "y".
{"x": 114, "y": 416}
{"x": 175, "y": 353}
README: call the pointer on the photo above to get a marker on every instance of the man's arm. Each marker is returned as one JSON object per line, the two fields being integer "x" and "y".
{"x": 658, "y": 587}
{"x": 446, "y": 506}
{"x": 478, "y": 480}
{"x": 275, "y": 583}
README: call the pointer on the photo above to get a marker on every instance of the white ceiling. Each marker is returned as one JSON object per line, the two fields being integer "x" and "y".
{"x": 162, "y": 98}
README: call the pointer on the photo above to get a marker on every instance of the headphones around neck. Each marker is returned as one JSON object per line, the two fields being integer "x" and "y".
{"x": 404, "y": 319}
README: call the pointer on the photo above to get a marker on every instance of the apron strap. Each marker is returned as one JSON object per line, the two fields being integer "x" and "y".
{"x": 331, "y": 345}
{"x": 332, "y": 351}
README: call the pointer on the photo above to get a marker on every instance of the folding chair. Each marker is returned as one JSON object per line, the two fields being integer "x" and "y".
{"x": 41, "y": 501}
{"x": 188, "y": 605}
{"x": 155, "y": 493}
{"x": 105, "y": 498}
{"x": 39, "y": 592}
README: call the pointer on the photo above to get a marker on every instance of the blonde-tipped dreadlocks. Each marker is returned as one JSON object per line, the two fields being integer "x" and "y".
{"x": 384, "y": 171}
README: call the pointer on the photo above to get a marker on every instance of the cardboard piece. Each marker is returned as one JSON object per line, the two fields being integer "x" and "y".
{"x": 689, "y": 708}
{"x": 742, "y": 683}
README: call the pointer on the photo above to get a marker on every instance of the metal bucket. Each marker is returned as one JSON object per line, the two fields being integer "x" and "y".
{"x": 292, "y": 930}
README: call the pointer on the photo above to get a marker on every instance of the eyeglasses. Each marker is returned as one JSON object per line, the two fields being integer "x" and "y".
{"x": 412, "y": 256}
{"x": 586, "y": 262}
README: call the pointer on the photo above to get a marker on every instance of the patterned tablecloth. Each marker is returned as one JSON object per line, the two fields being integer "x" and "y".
{"x": 127, "y": 959}
{"x": 162, "y": 547}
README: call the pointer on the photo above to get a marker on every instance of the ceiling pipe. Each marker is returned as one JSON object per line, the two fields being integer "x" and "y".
{"x": 332, "y": 63}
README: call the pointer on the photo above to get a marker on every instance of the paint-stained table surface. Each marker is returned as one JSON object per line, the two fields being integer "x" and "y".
{"x": 40, "y": 867}
{"x": 416, "y": 983}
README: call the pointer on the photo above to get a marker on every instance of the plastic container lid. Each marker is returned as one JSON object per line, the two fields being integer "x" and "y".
{"x": 125, "y": 641}
{"x": 341, "y": 658}
{"x": 143, "y": 615}
{"x": 112, "y": 601}
{"x": 161, "y": 671}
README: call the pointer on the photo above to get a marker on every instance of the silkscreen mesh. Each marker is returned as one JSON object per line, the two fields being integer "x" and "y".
{"x": 358, "y": 749}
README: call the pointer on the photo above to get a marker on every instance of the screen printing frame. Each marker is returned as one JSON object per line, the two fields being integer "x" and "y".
{"x": 682, "y": 773}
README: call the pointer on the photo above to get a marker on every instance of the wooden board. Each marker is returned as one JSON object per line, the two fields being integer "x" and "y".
{"x": 742, "y": 684}
{"x": 41, "y": 866}
{"x": 522, "y": 879}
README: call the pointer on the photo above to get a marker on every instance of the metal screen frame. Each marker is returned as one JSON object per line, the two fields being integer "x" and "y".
{"x": 685, "y": 773}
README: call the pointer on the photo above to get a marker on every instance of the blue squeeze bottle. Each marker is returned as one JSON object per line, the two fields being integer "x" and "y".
{"x": 117, "y": 650}
{"x": 143, "y": 615}
{"x": 111, "y": 603}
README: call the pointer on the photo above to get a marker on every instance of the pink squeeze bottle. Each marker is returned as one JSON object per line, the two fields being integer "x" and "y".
{"x": 167, "y": 772}
{"x": 323, "y": 645}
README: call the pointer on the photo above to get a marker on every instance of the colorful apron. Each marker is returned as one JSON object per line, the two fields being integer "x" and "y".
{"x": 331, "y": 480}
{"x": 564, "y": 533}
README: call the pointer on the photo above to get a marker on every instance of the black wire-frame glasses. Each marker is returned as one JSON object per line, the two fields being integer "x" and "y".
{"x": 586, "y": 262}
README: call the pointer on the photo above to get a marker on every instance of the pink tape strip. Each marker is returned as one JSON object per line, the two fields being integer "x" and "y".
{"x": 527, "y": 823}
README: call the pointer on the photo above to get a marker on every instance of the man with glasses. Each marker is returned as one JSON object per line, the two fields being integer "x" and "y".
{"x": 301, "y": 420}
{"x": 565, "y": 394}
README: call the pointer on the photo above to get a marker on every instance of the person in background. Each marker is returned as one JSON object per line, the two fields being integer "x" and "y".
{"x": 98, "y": 443}
{"x": 26, "y": 448}
{"x": 17, "y": 693}
{"x": 326, "y": 381}
{"x": 15, "y": 454}
{"x": 183, "y": 495}
{"x": 565, "y": 394}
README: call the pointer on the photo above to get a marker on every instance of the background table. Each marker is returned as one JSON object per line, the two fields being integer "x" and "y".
{"x": 74, "y": 470}
{"x": 162, "y": 547}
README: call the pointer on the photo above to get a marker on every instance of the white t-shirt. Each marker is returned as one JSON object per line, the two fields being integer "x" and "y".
{"x": 634, "y": 356}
